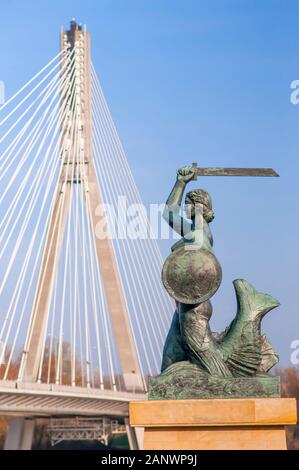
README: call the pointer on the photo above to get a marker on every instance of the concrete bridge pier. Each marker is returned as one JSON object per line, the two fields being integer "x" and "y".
{"x": 19, "y": 434}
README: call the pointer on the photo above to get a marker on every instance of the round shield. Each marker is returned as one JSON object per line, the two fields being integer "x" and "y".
{"x": 191, "y": 276}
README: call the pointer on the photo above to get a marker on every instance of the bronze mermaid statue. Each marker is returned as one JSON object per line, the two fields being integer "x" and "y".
{"x": 198, "y": 363}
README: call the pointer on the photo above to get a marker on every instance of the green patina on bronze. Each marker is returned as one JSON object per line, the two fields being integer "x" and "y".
{"x": 199, "y": 270}
{"x": 185, "y": 381}
{"x": 198, "y": 363}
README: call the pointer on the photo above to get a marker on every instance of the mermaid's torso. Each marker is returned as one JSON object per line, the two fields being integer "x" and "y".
{"x": 199, "y": 238}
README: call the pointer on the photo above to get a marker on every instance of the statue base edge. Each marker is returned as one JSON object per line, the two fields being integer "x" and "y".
{"x": 214, "y": 424}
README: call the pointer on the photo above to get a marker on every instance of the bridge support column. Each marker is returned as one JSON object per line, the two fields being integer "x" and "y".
{"x": 135, "y": 436}
{"x": 19, "y": 434}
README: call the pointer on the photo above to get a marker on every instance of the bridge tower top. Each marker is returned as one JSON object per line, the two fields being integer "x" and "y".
{"x": 75, "y": 33}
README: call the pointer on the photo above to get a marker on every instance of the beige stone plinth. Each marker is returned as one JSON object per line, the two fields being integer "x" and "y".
{"x": 257, "y": 423}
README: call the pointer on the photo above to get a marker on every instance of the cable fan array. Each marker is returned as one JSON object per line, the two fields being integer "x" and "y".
{"x": 78, "y": 344}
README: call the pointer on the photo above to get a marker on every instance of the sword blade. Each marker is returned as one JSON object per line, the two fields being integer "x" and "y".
{"x": 236, "y": 172}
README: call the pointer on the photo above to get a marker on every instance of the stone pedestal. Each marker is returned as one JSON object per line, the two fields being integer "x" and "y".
{"x": 214, "y": 424}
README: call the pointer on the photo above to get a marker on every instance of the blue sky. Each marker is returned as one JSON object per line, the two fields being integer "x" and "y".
{"x": 205, "y": 81}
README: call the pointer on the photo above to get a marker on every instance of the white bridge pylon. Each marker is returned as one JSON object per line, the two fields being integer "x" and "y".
{"x": 81, "y": 314}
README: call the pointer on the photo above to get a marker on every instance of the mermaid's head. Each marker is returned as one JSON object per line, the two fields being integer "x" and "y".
{"x": 202, "y": 199}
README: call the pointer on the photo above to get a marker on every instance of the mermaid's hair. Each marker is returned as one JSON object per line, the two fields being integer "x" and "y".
{"x": 200, "y": 196}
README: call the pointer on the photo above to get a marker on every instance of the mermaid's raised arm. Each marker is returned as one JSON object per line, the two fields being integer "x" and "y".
{"x": 171, "y": 213}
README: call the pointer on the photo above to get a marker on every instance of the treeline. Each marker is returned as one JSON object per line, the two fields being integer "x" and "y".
{"x": 290, "y": 389}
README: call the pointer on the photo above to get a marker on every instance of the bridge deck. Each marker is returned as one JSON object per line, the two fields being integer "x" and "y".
{"x": 20, "y": 398}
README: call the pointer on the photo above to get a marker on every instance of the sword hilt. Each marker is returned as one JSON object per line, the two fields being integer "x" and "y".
{"x": 195, "y": 168}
